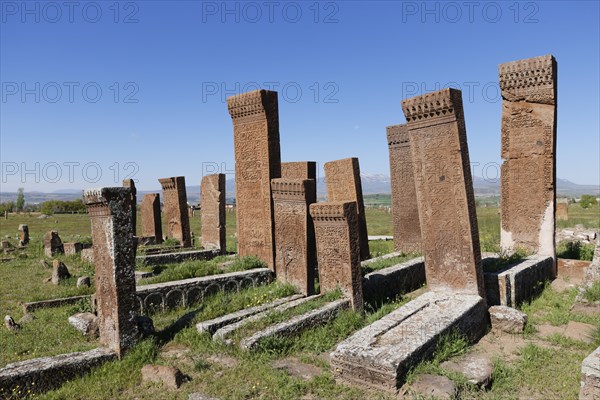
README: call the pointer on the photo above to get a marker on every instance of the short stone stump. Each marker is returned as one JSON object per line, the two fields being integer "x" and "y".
{"x": 382, "y": 353}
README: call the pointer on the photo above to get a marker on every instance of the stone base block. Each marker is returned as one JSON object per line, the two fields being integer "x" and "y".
{"x": 382, "y": 353}
{"x": 518, "y": 282}
{"x": 590, "y": 377}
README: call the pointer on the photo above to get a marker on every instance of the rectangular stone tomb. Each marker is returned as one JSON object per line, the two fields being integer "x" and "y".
{"x": 178, "y": 257}
{"x": 387, "y": 283}
{"x": 297, "y": 324}
{"x": 528, "y": 148}
{"x": 382, "y": 353}
{"x": 212, "y": 325}
{"x": 518, "y": 282}
{"x": 590, "y": 377}
{"x": 46, "y": 373}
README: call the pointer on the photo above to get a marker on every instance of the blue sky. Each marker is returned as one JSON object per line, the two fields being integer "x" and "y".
{"x": 139, "y": 87}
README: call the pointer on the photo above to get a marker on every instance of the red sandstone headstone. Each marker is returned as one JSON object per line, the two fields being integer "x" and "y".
{"x": 151, "y": 218}
{"x": 114, "y": 262}
{"x": 342, "y": 178}
{"x": 299, "y": 170}
{"x": 405, "y": 211}
{"x": 295, "y": 249}
{"x": 338, "y": 249}
{"x": 257, "y": 161}
{"x": 528, "y": 174}
{"x": 175, "y": 209}
{"x": 445, "y": 197}
{"x": 212, "y": 193}
{"x": 562, "y": 211}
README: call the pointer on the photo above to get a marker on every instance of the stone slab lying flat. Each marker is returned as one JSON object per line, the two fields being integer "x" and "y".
{"x": 590, "y": 377}
{"x": 65, "y": 301}
{"x": 383, "y": 257}
{"x": 212, "y": 325}
{"x": 223, "y": 332}
{"x": 518, "y": 282}
{"x": 381, "y": 354}
{"x": 387, "y": 283}
{"x": 298, "y": 323}
{"x": 177, "y": 257}
{"x": 46, "y": 373}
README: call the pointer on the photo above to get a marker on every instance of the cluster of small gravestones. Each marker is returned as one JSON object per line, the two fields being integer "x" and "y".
{"x": 280, "y": 221}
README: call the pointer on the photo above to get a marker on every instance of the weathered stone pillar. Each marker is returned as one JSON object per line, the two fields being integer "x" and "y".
{"x": 257, "y": 161}
{"x": 295, "y": 248}
{"x": 176, "y": 214}
{"x": 342, "y": 178}
{"x": 151, "y": 219}
{"x": 129, "y": 183}
{"x": 528, "y": 174}
{"x": 212, "y": 193}
{"x": 114, "y": 262}
{"x": 445, "y": 197}
{"x": 338, "y": 249}
{"x": 23, "y": 235}
{"x": 405, "y": 211}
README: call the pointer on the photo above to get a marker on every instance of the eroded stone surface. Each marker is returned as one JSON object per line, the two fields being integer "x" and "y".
{"x": 433, "y": 386}
{"x": 86, "y": 323}
{"x": 114, "y": 261}
{"x": 507, "y": 319}
{"x": 342, "y": 178}
{"x": 151, "y": 218}
{"x": 338, "y": 249}
{"x": 52, "y": 244}
{"x": 60, "y": 272}
{"x": 299, "y": 170}
{"x": 295, "y": 247}
{"x": 130, "y": 183}
{"x": 23, "y": 235}
{"x": 170, "y": 377}
{"x": 444, "y": 186}
{"x": 387, "y": 283}
{"x": 381, "y": 354}
{"x": 528, "y": 175}
{"x": 476, "y": 368}
{"x": 175, "y": 209}
{"x": 212, "y": 191}
{"x": 405, "y": 211}
{"x": 590, "y": 377}
{"x": 257, "y": 160}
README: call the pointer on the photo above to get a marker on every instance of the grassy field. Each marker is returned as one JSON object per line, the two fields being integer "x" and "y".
{"x": 229, "y": 373}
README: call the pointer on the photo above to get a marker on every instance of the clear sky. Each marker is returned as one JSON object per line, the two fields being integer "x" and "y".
{"x": 139, "y": 87}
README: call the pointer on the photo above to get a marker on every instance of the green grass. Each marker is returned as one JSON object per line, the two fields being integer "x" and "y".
{"x": 380, "y": 247}
{"x": 588, "y": 217}
{"x": 575, "y": 250}
{"x": 505, "y": 260}
{"x": 592, "y": 293}
{"x": 387, "y": 262}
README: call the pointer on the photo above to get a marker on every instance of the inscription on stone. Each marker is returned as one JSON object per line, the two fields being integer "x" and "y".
{"x": 175, "y": 209}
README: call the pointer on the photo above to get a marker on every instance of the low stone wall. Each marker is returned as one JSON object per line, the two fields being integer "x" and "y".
{"x": 392, "y": 281}
{"x": 46, "y": 373}
{"x": 590, "y": 377}
{"x": 189, "y": 291}
{"x": 518, "y": 282}
{"x": 177, "y": 257}
{"x": 65, "y": 301}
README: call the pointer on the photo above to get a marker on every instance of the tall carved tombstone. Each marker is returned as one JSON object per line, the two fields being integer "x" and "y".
{"x": 114, "y": 262}
{"x": 129, "y": 183}
{"x": 175, "y": 209}
{"x": 438, "y": 141}
{"x": 299, "y": 170}
{"x": 338, "y": 248}
{"x": 342, "y": 178}
{"x": 295, "y": 248}
{"x": 151, "y": 219}
{"x": 528, "y": 174}
{"x": 257, "y": 161}
{"x": 405, "y": 211}
{"x": 212, "y": 193}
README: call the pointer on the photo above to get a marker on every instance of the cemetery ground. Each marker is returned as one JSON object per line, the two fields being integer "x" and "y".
{"x": 543, "y": 363}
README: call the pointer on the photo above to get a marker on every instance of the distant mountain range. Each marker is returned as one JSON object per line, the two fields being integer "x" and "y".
{"x": 371, "y": 184}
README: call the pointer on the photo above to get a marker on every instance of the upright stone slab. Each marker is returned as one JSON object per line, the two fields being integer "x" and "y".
{"x": 338, "y": 248}
{"x": 528, "y": 174}
{"x": 175, "y": 209}
{"x": 151, "y": 219}
{"x": 299, "y": 170}
{"x": 114, "y": 262}
{"x": 295, "y": 248}
{"x": 212, "y": 192}
{"x": 129, "y": 183}
{"x": 257, "y": 161}
{"x": 445, "y": 197}
{"x": 342, "y": 178}
{"x": 562, "y": 211}
{"x": 53, "y": 244}
{"x": 405, "y": 211}
{"x": 23, "y": 235}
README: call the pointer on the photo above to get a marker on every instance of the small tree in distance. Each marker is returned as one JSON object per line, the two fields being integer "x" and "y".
{"x": 20, "y": 200}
